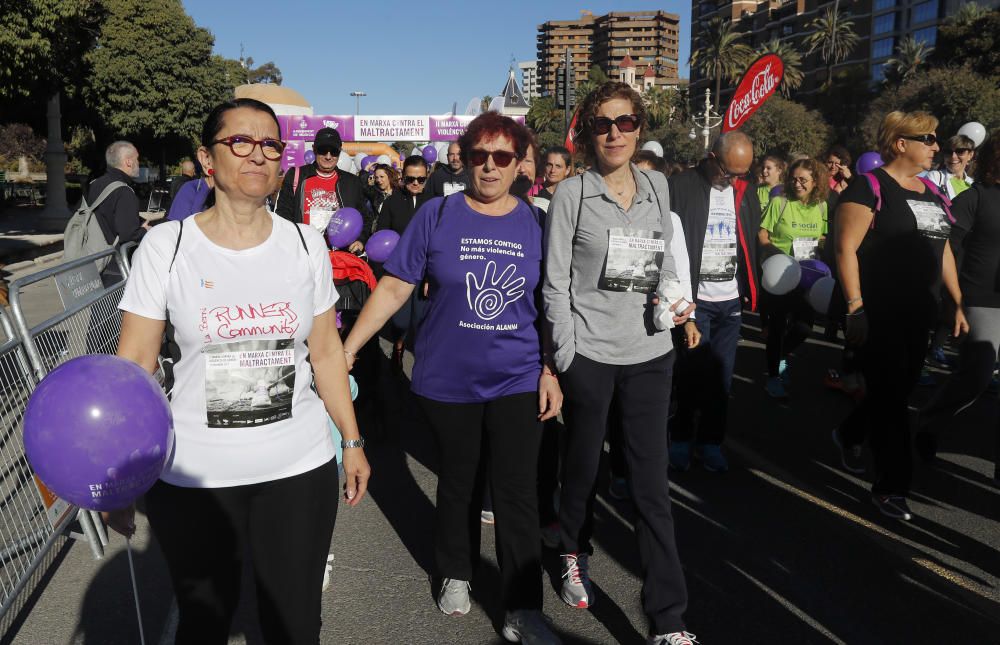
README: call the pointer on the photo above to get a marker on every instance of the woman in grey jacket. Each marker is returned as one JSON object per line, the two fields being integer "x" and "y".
{"x": 608, "y": 264}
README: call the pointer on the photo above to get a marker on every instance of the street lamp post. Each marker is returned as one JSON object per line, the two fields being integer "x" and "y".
{"x": 357, "y": 94}
{"x": 709, "y": 119}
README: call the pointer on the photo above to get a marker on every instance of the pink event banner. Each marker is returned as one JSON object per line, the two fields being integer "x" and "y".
{"x": 304, "y": 128}
{"x": 377, "y": 128}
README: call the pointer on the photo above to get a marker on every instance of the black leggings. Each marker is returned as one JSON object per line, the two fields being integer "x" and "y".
{"x": 510, "y": 426}
{"x": 789, "y": 322}
{"x": 285, "y": 526}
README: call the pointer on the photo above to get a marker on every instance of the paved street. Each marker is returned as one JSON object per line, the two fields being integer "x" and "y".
{"x": 785, "y": 548}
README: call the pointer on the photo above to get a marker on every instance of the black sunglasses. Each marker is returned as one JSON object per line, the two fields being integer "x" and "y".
{"x": 320, "y": 152}
{"x": 960, "y": 151}
{"x": 502, "y": 158}
{"x": 625, "y": 123}
{"x": 242, "y": 145}
{"x": 414, "y": 180}
{"x": 926, "y": 139}
{"x": 725, "y": 171}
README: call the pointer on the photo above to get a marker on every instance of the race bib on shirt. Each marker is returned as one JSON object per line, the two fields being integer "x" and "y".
{"x": 718, "y": 258}
{"x": 931, "y": 220}
{"x": 805, "y": 248}
{"x": 451, "y": 187}
{"x": 633, "y": 262}
{"x": 249, "y": 383}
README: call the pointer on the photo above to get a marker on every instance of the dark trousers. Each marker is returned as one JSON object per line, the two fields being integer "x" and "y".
{"x": 891, "y": 360}
{"x": 643, "y": 393}
{"x": 511, "y": 428}
{"x": 548, "y": 472}
{"x": 789, "y": 322}
{"x": 284, "y": 525}
{"x": 705, "y": 373}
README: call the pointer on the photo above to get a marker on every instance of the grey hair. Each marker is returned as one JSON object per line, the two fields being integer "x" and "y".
{"x": 117, "y": 152}
{"x": 728, "y": 140}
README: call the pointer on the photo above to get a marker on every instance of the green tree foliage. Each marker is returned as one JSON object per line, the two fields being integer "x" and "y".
{"x": 720, "y": 55}
{"x": 792, "y": 60}
{"x": 660, "y": 105}
{"x": 972, "y": 41}
{"x": 595, "y": 78}
{"x": 911, "y": 56}
{"x": 954, "y": 96}
{"x": 544, "y": 116}
{"x": 844, "y": 100}
{"x": 783, "y": 126}
{"x": 266, "y": 73}
{"x": 18, "y": 139}
{"x": 154, "y": 78}
{"x": 677, "y": 143}
{"x": 833, "y": 37}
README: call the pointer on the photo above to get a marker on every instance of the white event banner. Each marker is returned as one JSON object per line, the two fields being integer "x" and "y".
{"x": 392, "y": 128}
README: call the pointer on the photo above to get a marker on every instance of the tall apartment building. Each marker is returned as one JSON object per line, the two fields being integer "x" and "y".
{"x": 880, "y": 24}
{"x": 649, "y": 38}
{"x": 529, "y": 79}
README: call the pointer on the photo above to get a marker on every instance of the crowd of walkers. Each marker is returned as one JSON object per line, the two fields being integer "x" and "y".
{"x": 611, "y": 299}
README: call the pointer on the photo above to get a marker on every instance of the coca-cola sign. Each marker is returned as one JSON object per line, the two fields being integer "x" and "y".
{"x": 759, "y": 82}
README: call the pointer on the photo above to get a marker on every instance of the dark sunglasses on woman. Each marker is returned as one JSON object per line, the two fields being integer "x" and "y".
{"x": 502, "y": 158}
{"x": 414, "y": 180}
{"x": 625, "y": 123}
{"x": 926, "y": 139}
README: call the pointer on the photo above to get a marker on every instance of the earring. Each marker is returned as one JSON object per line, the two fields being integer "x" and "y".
{"x": 210, "y": 171}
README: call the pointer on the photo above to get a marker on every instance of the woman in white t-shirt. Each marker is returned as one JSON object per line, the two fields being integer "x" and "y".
{"x": 253, "y": 468}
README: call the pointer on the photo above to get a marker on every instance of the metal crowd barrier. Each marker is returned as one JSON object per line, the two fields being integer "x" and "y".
{"x": 33, "y": 340}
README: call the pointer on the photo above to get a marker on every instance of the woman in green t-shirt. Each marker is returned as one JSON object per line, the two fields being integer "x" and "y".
{"x": 772, "y": 174}
{"x": 794, "y": 224}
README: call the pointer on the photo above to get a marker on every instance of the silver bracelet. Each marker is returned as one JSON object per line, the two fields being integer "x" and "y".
{"x": 353, "y": 443}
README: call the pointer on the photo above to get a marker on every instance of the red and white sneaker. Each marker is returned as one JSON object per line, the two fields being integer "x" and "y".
{"x": 576, "y": 589}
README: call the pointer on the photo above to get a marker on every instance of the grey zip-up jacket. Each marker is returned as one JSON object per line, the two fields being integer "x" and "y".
{"x": 589, "y": 305}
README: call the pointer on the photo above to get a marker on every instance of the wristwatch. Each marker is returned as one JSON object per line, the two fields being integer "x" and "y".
{"x": 353, "y": 443}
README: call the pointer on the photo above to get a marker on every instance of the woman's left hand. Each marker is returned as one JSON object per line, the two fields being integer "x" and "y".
{"x": 692, "y": 334}
{"x": 550, "y": 397}
{"x": 356, "y": 247}
{"x": 356, "y": 475}
{"x": 961, "y": 324}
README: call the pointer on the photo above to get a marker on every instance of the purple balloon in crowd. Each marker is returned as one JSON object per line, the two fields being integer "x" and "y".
{"x": 310, "y": 156}
{"x": 344, "y": 228}
{"x": 381, "y": 244}
{"x": 868, "y": 162}
{"x": 368, "y": 160}
{"x": 98, "y": 431}
{"x": 430, "y": 154}
{"x": 812, "y": 270}
{"x": 777, "y": 190}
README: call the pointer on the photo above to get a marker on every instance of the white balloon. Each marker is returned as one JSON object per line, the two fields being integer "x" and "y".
{"x": 358, "y": 158}
{"x": 975, "y": 131}
{"x": 383, "y": 159}
{"x": 821, "y": 294}
{"x": 780, "y": 274}
{"x": 344, "y": 162}
{"x": 654, "y": 147}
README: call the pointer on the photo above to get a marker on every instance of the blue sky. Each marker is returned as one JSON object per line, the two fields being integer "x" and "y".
{"x": 410, "y": 57}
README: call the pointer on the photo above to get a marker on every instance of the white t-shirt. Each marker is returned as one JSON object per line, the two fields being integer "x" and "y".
{"x": 243, "y": 408}
{"x": 717, "y": 278}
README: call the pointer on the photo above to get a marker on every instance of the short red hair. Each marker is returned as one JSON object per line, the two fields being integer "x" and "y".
{"x": 489, "y": 126}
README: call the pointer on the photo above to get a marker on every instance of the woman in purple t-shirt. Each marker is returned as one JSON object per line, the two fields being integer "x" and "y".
{"x": 478, "y": 371}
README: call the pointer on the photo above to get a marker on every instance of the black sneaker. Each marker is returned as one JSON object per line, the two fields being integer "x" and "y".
{"x": 925, "y": 444}
{"x": 893, "y": 506}
{"x": 850, "y": 456}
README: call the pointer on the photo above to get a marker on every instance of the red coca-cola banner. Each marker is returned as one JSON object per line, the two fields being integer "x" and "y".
{"x": 759, "y": 82}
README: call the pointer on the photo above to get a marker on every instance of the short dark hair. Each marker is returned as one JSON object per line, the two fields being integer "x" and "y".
{"x": 585, "y": 120}
{"x": 214, "y": 121}
{"x": 650, "y": 157}
{"x": 489, "y": 126}
{"x": 414, "y": 160}
{"x": 988, "y": 160}
{"x": 840, "y": 152}
{"x": 562, "y": 152}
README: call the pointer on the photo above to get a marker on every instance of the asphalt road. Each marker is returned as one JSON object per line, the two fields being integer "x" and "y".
{"x": 785, "y": 548}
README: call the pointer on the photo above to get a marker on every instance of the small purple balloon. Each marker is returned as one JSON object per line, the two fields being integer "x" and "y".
{"x": 381, "y": 244}
{"x": 98, "y": 431}
{"x": 310, "y": 156}
{"x": 812, "y": 270}
{"x": 370, "y": 159}
{"x": 868, "y": 162}
{"x": 777, "y": 190}
{"x": 430, "y": 154}
{"x": 344, "y": 228}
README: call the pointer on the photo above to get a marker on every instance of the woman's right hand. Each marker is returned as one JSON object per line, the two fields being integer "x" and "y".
{"x": 121, "y": 520}
{"x": 356, "y": 475}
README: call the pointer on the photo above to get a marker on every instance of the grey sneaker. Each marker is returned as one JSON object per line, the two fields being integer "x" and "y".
{"x": 453, "y": 599}
{"x": 893, "y": 506}
{"x": 673, "y": 638}
{"x": 528, "y": 626}
{"x": 576, "y": 589}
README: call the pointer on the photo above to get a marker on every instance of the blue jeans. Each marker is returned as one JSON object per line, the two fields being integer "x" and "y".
{"x": 705, "y": 374}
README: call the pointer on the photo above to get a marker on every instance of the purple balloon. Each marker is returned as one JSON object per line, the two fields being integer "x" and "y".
{"x": 98, "y": 431}
{"x": 868, "y": 162}
{"x": 812, "y": 270}
{"x": 381, "y": 244}
{"x": 310, "y": 156}
{"x": 368, "y": 160}
{"x": 430, "y": 154}
{"x": 777, "y": 190}
{"x": 344, "y": 228}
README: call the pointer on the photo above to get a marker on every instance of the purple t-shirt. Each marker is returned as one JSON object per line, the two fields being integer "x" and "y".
{"x": 478, "y": 340}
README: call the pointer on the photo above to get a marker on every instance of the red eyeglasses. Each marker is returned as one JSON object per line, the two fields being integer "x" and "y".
{"x": 502, "y": 158}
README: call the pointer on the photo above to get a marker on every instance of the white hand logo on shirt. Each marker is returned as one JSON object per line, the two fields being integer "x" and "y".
{"x": 490, "y": 296}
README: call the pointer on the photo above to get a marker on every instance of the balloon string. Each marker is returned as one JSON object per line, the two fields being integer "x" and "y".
{"x": 135, "y": 590}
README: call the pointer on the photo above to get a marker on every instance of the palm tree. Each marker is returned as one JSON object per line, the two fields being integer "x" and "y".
{"x": 660, "y": 104}
{"x": 910, "y": 57}
{"x": 968, "y": 13}
{"x": 721, "y": 54}
{"x": 544, "y": 115}
{"x": 833, "y": 36}
{"x": 792, "y": 59}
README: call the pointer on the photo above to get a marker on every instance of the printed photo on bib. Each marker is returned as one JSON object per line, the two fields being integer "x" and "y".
{"x": 452, "y": 187}
{"x": 718, "y": 258}
{"x": 633, "y": 262}
{"x": 805, "y": 248}
{"x": 931, "y": 220}
{"x": 249, "y": 383}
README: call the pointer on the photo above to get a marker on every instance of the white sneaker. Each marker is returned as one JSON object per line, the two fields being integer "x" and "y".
{"x": 673, "y": 638}
{"x": 487, "y": 517}
{"x": 453, "y": 599}
{"x": 528, "y": 626}
{"x": 576, "y": 589}
{"x": 327, "y": 571}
